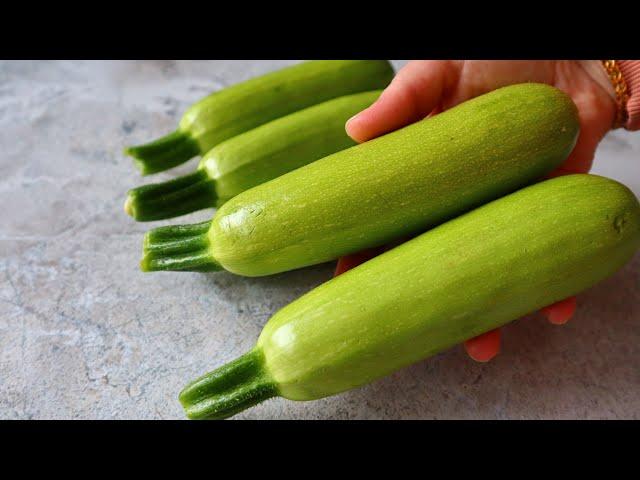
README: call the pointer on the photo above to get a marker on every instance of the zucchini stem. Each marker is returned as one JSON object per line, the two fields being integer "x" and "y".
{"x": 230, "y": 389}
{"x": 178, "y": 248}
{"x": 182, "y": 195}
{"x": 164, "y": 153}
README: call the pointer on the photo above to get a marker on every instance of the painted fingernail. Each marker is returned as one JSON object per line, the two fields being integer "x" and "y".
{"x": 484, "y": 347}
{"x": 560, "y": 312}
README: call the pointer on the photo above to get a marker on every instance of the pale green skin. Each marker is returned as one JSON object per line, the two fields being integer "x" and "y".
{"x": 280, "y": 146}
{"x": 398, "y": 184}
{"x": 468, "y": 276}
{"x": 244, "y": 106}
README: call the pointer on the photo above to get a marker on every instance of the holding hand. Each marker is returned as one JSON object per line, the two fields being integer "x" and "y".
{"x": 424, "y": 88}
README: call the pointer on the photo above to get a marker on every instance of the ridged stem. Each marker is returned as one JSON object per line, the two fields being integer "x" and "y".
{"x": 178, "y": 248}
{"x": 164, "y": 153}
{"x": 230, "y": 389}
{"x": 182, "y": 195}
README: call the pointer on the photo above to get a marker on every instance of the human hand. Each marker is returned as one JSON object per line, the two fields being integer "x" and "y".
{"x": 425, "y": 87}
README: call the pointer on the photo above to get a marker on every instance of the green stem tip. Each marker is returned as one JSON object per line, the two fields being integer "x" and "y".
{"x": 182, "y": 195}
{"x": 230, "y": 389}
{"x": 164, "y": 153}
{"x": 178, "y": 248}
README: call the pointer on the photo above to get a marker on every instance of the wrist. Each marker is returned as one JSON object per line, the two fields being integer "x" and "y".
{"x": 599, "y": 74}
{"x": 612, "y": 79}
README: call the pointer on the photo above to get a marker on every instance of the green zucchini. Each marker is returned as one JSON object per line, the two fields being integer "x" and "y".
{"x": 470, "y": 275}
{"x": 397, "y": 185}
{"x": 244, "y": 106}
{"x": 252, "y": 158}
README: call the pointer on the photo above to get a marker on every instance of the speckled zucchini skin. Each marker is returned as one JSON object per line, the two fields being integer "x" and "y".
{"x": 254, "y": 102}
{"x": 465, "y": 277}
{"x": 399, "y": 184}
{"x": 252, "y": 158}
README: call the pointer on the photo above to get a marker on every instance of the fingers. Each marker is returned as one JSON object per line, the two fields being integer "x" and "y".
{"x": 484, "y": 347}
{"x": 581, "y": 158}
{"x": 596, "y": 116}
{"x": 560, "y": 312}
{"x": 415, "y": 91}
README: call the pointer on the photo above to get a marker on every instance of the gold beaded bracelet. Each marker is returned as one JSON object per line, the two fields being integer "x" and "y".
{"x": 620, "y": 87}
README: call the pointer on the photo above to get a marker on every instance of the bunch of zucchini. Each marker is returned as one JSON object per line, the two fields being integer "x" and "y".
{"x": 488, "y": 245}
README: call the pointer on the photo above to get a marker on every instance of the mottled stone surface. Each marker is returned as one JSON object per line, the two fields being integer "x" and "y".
{"x": 85, "y": 334}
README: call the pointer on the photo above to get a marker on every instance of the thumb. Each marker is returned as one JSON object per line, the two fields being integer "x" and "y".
{"x": 413, "y": 94}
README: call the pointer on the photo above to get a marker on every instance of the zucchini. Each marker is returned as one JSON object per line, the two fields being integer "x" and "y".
{"x": 252, "y": 158}
{"x": 470, "y": 275}
{"x": 244, "y": 106}
{"x": 396, "y": 185}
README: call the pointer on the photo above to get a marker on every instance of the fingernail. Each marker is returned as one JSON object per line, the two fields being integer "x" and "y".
{"x": 560, "y": 312}
{"x": 556, "y": 319}
{"x": 484, "y": 347}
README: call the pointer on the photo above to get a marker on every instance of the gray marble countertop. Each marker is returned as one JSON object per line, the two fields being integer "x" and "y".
{"x": 85, "y": 334}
